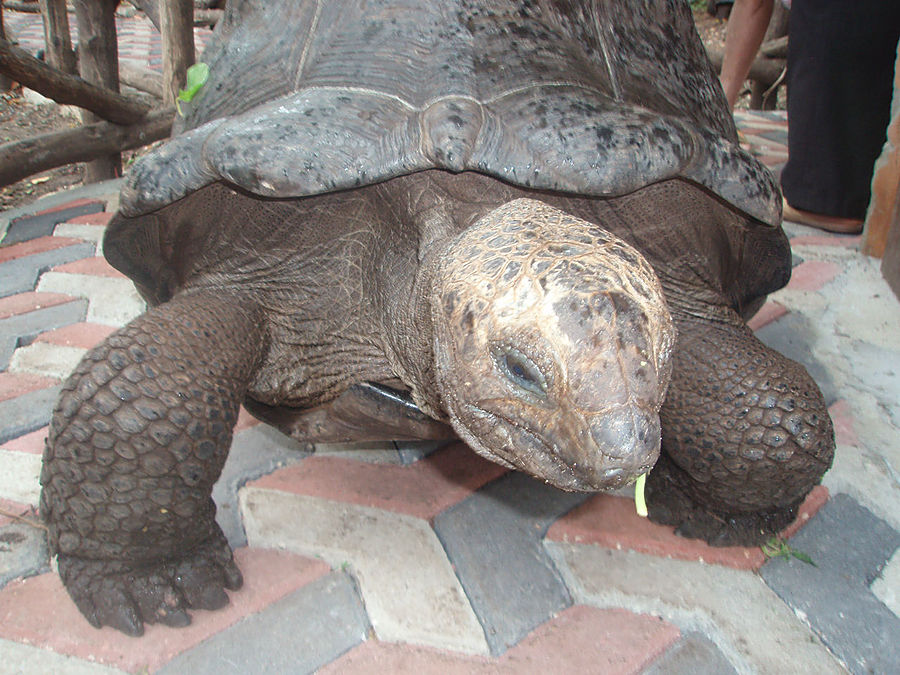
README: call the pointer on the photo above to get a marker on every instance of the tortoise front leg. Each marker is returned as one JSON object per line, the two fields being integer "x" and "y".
{"x": 138, "y": 437}
{"x": 745, "y": 435}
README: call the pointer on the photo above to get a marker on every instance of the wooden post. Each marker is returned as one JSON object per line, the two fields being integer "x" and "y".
{"x": 57, "y": 39}
{"x": 99, "y": 63}
{"x": 883, "y": 214}
{"x": 5, "y": 82}
{"x": 176, "y": 23}
{"x": 778, "y": 27}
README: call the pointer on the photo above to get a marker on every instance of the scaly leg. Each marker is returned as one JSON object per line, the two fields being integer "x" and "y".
{"x": 138, "y": 437}
{"x": 746, "y": 436}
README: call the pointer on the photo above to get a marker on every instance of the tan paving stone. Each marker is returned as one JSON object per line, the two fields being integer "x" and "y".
{"x": 409, "y": 588}
{"x": 21, "y": 659}
{"x": 112, "y": 301}
{"x": 47, "y": 360}
{"x": 19, "y": 474}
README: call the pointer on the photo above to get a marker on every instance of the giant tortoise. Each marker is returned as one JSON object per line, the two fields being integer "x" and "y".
{"x": 529, "y": 224}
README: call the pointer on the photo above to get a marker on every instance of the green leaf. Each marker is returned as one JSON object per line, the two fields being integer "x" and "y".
{"x": 778, "y": 548}
{"x": 197, "y": 75}
{"x": 800, "y": 555}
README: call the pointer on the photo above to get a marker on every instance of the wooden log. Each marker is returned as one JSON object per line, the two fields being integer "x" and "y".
{"x": 208, "y": 17}
{"x": 68, "y": 89}
{"x": 775, "y": 49}
{"x": 20, "y": 159}
{"x": 176, "y": 23}
{"x": 98, "y": 60}
{"x": 57, "y": 38}
{"x": 765, "y": 70}
{"x": 18, "y": 6}
{"x": 143, "y": 79}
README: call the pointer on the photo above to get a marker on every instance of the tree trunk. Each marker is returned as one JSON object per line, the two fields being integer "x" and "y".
{"x": 56, "y": 35}
{"x": 68, "y": 89}
{"x": 5, "y": 82}
{"x": 27, "y": 157}
{"x": 98, "y": 59}
{"x": 176, "y": 23}
{"x": 150, "y": 8}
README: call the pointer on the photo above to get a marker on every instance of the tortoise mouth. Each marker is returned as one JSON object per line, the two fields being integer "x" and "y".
{"x": 545, "y": 459}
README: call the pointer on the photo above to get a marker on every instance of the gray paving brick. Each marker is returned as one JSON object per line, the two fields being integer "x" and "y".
{"x": 27, "y": 412}
{"x": 694, "y": 654}
{"x": 298, "y": 634}
{"x": 23, "y": 551}
{"x": 254, "y": 453}
{"x": 21, "y": 329}
{"x": 849, "y": 546}
{"x": 792, "y": 335}
{"x": 21, "y": 274}
{"x": 494, "y": 540}
{"x": 41, "y": 225}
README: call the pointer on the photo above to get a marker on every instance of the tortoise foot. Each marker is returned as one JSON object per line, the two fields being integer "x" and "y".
{"x": 126, "y": 596}
{"x": 669, "y": 505}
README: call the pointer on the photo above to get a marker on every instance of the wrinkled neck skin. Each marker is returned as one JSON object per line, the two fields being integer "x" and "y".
{"x": 406, "y": 312}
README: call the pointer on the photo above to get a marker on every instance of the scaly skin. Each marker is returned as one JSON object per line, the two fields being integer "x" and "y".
{"x": 746, "y": 436}
{"x": 137, "y": 440}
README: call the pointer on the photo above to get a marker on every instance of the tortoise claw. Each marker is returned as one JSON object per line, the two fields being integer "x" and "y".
{"x": 125, "y": 597}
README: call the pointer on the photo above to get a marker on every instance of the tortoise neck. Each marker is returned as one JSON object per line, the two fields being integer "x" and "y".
{"x": 409, "y": 331}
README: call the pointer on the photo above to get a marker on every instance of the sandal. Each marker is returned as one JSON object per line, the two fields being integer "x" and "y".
{"x": 821, "y": 221}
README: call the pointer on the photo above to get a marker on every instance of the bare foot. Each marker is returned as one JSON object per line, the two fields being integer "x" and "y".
{"x": 822, "y": 222}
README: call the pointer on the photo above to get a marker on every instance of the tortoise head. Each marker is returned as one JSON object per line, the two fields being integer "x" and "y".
{"x": 552, "y": 347}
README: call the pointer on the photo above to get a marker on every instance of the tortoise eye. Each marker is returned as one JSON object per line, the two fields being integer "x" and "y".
{"x": 521, "y": 371}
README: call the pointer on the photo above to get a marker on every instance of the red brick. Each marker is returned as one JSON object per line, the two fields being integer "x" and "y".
{"x": 812, "y": 275}
{"x": 843, "y": 419}
{"x": 422, "y": 489}
{"x": 612, "y": 522}
{"x": 769, "y": 312}
{"x": 39, "y": 245}
{"x": 96, "y": 266}
{"x": 16, "y": 384}
{"x": 245, "y": 420}
{"x": 68, "y": 205}
{"x": 84, "y": 335}
{"x": 39, "y": 612}
{"x": 23, "y": 303}
{"x": 9, "y": 510}
{"x": 32, "y": 443}
{"x": 100, "y": 219}
{"x": 580, "y": 639}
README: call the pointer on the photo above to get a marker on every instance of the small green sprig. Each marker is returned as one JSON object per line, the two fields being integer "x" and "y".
{"x": 197, "y": 75}
{"x": 640, "y": 503}
{"x": 777, "y": 547}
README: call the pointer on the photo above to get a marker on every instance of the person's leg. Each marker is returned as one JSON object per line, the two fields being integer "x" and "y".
{"x": 840, "y": 74}
{"x": 744, "y": 34}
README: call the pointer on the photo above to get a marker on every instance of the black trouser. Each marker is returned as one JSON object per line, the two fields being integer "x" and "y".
{"x": 840, "y": 80}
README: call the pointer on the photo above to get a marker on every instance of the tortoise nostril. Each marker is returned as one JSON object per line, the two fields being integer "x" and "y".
{"x": 628, "y": 433}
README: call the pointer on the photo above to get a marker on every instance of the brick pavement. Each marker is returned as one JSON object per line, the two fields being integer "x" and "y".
{"x": 420, "y": 558}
